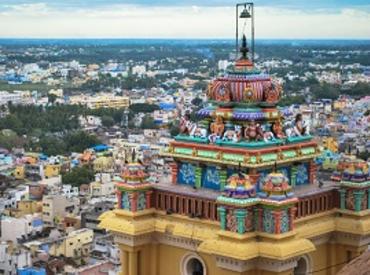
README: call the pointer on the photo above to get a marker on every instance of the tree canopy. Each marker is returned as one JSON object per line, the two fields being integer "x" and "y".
{"x": 78, "y": 176}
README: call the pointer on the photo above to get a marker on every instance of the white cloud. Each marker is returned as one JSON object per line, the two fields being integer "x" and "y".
{"x": 39, "y": 20}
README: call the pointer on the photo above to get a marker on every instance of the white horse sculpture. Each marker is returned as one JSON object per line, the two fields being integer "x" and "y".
{"x": 291, "y": 130}
{"x": 233, "y": 135}
{"x": 196, "y": 131}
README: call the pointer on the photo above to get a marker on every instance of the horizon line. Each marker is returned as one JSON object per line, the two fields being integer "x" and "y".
{"x": 183, "y": 38}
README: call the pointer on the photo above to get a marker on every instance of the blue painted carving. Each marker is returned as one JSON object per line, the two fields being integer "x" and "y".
{"x": 302, "y": 174}
{"x": 186, "y": 174}
{"x": 284, "y": 221}
{"x": 268, "y": 221}
{"x": 141, "y": 201}
{"x": 231, "y": 171}
{"x": 285, "y": 171}
{"x": 126, "y": 201}
{"x": 211, "y": 178}
{"x": 263, "y": 174}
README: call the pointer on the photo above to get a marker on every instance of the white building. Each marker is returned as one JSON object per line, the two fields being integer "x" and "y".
{"x": 138, "y": 70}
{"x": 12, "y": 196}
{"x": 70, "y": 191}
{"x": 20, "y": 228}
{"x": 12, "y": 258}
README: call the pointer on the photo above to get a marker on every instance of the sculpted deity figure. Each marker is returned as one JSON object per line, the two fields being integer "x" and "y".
{"x": 300, "y": 127}
{"x": 272, "y": 95}
{"x": 253, "y": 131}
{"x": 217, "y": 129}
{"x": 277, "y": 129}
{"x": 223, "y": 94}
{"x": 185, "y": 124}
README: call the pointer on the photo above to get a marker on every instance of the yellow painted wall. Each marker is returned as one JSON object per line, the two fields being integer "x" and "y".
{"x": 75, "y": 240}
{"x": 161, "y": 259}
{"x": 29, "y": 207}
{"x": 19, "y": 172}
{"x": 51, "y": 170}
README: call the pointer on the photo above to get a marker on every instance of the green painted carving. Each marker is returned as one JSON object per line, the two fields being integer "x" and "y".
{"x": 240, "y": 217}
{"x": 293, "y": 176}
{"x": 368, "y": 198}
{"x": 358, "y": 198}
{"x": 284, "y": 224}
{"x": 256, "y": 219}
{"x": 126, "y": 201}
{"x": 223, "y": 178}
{"x": 222, "y": 214}
{"x": 342, "y": 194}
{"x": 198, "y": 177}
{"x": 141, "y": 202}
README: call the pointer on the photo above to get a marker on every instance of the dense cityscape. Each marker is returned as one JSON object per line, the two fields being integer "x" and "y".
{"x": 92, "y": 127}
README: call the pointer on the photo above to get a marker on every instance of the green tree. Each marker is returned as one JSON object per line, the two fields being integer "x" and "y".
{"x": 52, "y": 146}
{"x": 78, "y": 176}
{"x": 12, "y": 122}
{"x": 52, "y": 98}
{"x": 107, "y": 121}
{"x": 148, "y": 122}
{"x": 79, "y": 141}
{"x": 143, "y": 108}
{"x": 174, "y": 128}
{"x": 11, "y": 140}
{"x": 289, "y": 100}
{"x": 325, "y": 90}
{"x": 359, "y": 90}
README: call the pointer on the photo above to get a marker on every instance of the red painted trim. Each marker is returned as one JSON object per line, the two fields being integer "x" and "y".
{"x": 242, "y": 151}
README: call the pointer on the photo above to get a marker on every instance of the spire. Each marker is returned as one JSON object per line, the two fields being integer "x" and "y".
{"x": 244, "y": 48}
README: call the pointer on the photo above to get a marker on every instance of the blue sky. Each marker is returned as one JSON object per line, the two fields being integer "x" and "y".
{"x": 182, "y": 19}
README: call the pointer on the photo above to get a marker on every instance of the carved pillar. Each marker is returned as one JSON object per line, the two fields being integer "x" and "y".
{"x": 256, "y": 220}
{"x": 240, "y": 218}
{"x": 260, "y": 219}
{"x": 133, "y": 201}
{"x": 198, "y": 177}
{"x": 132, "y": 263}
{"x": 148, "y": 198}
{"x": 312, "y": 172}
{"x": 293, "y": 176}
{"x": 342, "y": 194}
{"x": 124, "y": 261}
{"x": 222, "y": 214}
{"x": 368, "y": 198}
{"x": 277, "y": 218}
{"x": 119, "y": 198}
{"x": 358, "y": 199}
{"x": 292, "y": 212}
{"x": 154, "y": 259}
{"x": 174, "y": 170}
{"x": 223, "y": 178}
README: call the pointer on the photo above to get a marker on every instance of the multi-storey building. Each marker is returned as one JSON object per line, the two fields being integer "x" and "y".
{"x": 56, "y": 207}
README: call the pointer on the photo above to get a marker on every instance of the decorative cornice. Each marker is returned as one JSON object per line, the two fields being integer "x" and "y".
{"x": 350, "y": 239}
{"x": 321, "y": 239}
{"x": 130, "y": 240}
{"x": 235, "y": 265}
{"x": 184, "y": 243}
{"x": 276, "y": 266}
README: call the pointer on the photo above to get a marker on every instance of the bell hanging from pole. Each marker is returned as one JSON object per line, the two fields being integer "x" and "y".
{"x": 245, "y": 13}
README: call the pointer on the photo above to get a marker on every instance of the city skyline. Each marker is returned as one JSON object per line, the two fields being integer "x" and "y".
{"x": 165, "y": 19}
